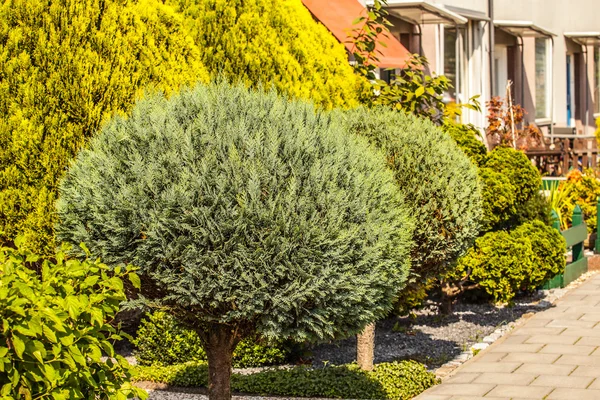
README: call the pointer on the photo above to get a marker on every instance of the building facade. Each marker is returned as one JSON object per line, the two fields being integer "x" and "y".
{"x": 548, "y": 49}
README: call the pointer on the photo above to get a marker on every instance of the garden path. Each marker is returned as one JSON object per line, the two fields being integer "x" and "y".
{"x": 553, "y": 355}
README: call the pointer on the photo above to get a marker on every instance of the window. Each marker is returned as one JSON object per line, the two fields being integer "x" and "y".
{"x": 454, "y": 63}
{"x": 542, "y": 78}
{"x": 597, "y": 79}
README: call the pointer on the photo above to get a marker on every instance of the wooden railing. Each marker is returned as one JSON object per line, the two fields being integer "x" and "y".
{"x": 557, "y": 156}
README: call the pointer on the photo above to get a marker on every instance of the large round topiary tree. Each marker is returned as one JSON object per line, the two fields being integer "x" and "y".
{"x": 66, "y": 66}
{"x": 246, "y": 212}
{"x": 439, "y": 182}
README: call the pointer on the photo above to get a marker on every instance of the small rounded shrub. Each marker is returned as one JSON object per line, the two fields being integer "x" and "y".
{"x": 499, "y": 199}
{"x": 402, "y": 380}
{"x": 439, "y": 182}
{"x": 56, "y": 319}
{"x": 502, "y": 263}
{"x": 548, "y": 252}
{"x": 160, "y": 340}
{"x": 465, "y": 137}
{"x": 515, "y": 165}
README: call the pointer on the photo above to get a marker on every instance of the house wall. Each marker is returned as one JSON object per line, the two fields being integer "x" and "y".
{"x": 560, "y": 16}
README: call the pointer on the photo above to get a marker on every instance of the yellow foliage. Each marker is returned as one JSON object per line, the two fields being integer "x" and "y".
{"x": 276, "y": 43}
{"x": 65, "y": 67}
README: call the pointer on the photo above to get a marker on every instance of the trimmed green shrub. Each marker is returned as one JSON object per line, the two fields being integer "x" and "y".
{"x": 499, "y": 199}
{"x": 515, "y": 165}
{"x": 537, "y": 208}
{"x": 439, "y": 182}
{"x": 465, "y": 137}
{"x": 276, "y": 43}
{"x": 160, "y": 340}
{"x": 548, "y": 252}
{"x": 56, "y": 326}
{"x": 60, "y": 81}
{"x": 503, "y": 263}
{"x": 247, "y": 213}
{"x": 397, "y": 380}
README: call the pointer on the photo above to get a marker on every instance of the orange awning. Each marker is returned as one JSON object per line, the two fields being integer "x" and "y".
{"x": 338, "y": 16}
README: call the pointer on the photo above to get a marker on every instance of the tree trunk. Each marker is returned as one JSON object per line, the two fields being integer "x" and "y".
{"x": 220, "y": 343}
{"x": 365, "y": 348}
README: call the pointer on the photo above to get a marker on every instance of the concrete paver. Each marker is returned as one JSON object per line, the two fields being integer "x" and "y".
{"x": 555, "y": 355}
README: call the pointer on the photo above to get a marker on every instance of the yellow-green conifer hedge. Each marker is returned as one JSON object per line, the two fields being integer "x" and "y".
{"x": 65, "y": 66}
{"x": 273, "y": 42}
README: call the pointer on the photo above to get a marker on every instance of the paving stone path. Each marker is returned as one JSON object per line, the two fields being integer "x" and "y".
{"x": 553, "y": 355}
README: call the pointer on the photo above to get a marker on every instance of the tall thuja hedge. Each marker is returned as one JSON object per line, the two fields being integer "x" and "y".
{"x": 275, "y": 43}
{"x": 65, "y": 66}
{"x": 246, "y": 213}
{"x": 440, "y": 184}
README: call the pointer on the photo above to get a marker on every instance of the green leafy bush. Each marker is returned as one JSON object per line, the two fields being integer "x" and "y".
{"x": 502, "y": 263}
{"x": 548, "y": 252}
{"x": 397, "y": 380}
{"x": 499, "y": 199}
{"x": 160, "y": 340}
{"x": 276, "y": 43}
{"x": 60, "y": 82}
{"x": 582, "y": 189}
{"x": 56, "y": 326}
{"x": 465, "y": 137}
{"x": 515, "y": 165}
{"x": 248, "y": 213}
{"x": 439, "y": 182}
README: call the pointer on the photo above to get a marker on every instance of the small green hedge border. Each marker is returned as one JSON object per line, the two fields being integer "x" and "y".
{"x": 160, "y": 340}
{"x": 397, "y": 380}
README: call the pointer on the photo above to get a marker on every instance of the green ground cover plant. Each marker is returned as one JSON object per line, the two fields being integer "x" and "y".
{"x": 247, "y": 213}
{"x": 402, "y": 380}
{"x": 56, "y": 317}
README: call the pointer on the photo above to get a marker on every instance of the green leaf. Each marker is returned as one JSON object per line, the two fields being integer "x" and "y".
{"x": 419, "y": 92}
{"x": 18, "y": 345}
{"x": 135, "y": 280}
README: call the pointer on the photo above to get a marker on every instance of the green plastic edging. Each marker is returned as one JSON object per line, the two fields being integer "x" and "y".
{"x": 554, "y": 283}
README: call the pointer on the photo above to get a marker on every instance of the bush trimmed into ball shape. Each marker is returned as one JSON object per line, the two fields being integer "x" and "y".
{"x": 502, "y": 263}
{"x": 276, "y": 43}
{"x": 499, "y": 199}
{"x": 465, "y": 137}
{"x": 246, "y": 212}
{"x": 67, "y": 66}
{"x": 516, "y": 166}
{"x": 439, "y": 182}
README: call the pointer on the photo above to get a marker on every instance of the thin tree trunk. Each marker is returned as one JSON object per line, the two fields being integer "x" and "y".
{"x": 365, "y": 348}
{"x": 221, "y": 341}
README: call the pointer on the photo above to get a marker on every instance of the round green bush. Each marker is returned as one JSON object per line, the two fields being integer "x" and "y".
{"x": 502, "y": 263}
{"x": 499, "y": 199}
{"x": 515, "y": 165}
{"x": 247, "y": 213}
{"x": 160, "y": 340}
{"x": 465, "y": 137}
{"x": 439, "y": 182}
{"x": 548, "y": 252}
